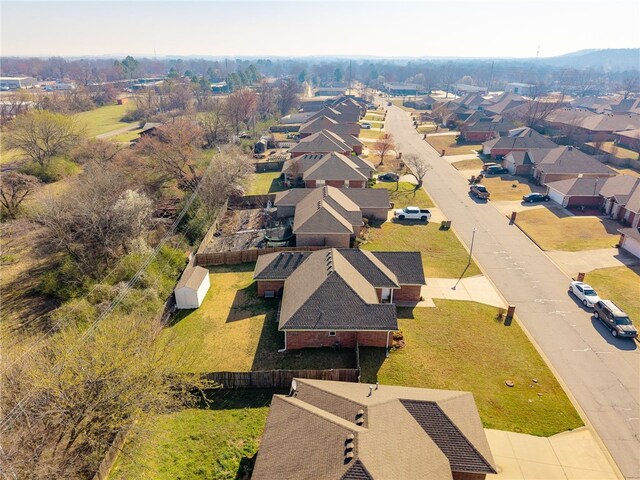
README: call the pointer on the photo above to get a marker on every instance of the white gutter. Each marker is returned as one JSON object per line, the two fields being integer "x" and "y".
{"x": 282, "y": 350}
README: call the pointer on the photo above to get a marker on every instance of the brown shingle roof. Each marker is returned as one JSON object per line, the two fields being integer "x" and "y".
{"x": 523, "y": 139}
{"x": 321, "y": 142}
{"x": 570, "y": 160}
{"x": 327, "y": 293}
{"x": 408, "y": 433}
{"x": 325, "y": 123}
{"x": 326, "y": 210}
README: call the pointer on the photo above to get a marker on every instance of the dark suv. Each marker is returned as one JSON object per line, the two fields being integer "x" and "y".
{"x": 614, "y": 319}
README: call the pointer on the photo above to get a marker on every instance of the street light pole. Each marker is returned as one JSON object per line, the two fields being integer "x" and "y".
{"x": 473, "y": 236}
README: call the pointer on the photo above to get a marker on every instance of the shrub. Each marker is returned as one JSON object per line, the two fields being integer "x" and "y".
{"x": 77, "y": 313}
{"x": 57, "y": 169}
{"x": 63, "y": 282}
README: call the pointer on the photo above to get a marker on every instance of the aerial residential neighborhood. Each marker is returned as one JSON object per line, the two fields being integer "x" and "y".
{"x": 298, "y": 240}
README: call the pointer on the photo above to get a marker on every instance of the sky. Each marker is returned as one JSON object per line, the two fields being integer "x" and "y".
{"x": 455, "y": 28}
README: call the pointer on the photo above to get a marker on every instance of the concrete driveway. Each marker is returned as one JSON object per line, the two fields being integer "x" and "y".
{"x": 586, "y": 260}
{"x": 601, "y": 374}
{"x": 472, "y": 289}
{"x": 568, "y": 455}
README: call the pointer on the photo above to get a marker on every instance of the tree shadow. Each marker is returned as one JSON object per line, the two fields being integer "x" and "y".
{"x": 245, "y": 469}
{"x": 277, "y": 185}
{"x": 235, "y": 399}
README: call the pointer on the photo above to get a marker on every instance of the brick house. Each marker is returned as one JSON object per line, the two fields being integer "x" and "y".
{"x": 321, "y": 142}
{"x": 325, "y": 123}
{"x": 485, "y": 129}
{"x": 616, "y": 192}
{"x": 351, "y": 431}
{"x": 577, "y": 192}
{"x": 373, "y": 202}
{"x": 519, "y": 140}
{"x": 562, "y": 163}
{"x": 339, "y": 295}
{"x": 627, "y": 208}
{"x": 333, "y": 169}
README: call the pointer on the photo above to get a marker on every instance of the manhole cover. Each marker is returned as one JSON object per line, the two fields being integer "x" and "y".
{"x": 509, "y": 383}
{"x": 534, "y": 380}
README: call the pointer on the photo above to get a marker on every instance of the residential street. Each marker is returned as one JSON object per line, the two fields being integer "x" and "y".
{"x": 601, "y": 372}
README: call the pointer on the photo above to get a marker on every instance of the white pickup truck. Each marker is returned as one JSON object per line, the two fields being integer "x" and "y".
{"x": 412, "y": 213}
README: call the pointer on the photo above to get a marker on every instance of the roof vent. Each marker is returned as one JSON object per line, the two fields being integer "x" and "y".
{"x": 348, "y": 456}
{"x": 319, "y": 205}
{"x": 360, "y": 417}
{"x": 350, "y": 437}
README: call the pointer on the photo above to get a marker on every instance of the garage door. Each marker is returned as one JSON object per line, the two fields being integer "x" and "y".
{"x": 632, "y": 246}
{"x": 556, "y": 196}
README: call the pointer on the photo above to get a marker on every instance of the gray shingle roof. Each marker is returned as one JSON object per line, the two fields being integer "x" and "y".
{"x": 309, "y": 434}
{"x": 322, "y": 142}
{"x": 570, "y": 160}
{"x": 278, "y": 266}
{"x": 407, "y": 266}
{"x": 525, "y": 138}
{"x": 462, "y": 455}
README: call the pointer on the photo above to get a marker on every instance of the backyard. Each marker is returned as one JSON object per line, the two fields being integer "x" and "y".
{"x": 235, "y": 330}
{"x": 442, "y": 253}
{"x": 218, "y": 441}
{"x": 406, "y": 195}
{"x": 555, "y": 230}
{"x": 461, "y": 346}
{"x": 620, "y": 284}
{"x": 265, "y": 182}
{"x": 450, "y": 146}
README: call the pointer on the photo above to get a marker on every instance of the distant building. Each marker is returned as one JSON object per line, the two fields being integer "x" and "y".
{"x": 463, "y": 89}
{"x": 13, "y": 83}
{"x": 404, "y": 88}
{"x": 519, "y": 88}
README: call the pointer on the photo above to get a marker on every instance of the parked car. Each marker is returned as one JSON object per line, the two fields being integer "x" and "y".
{"x": 496, "y": 170}
{"x": 489, "y": 164}
{"x": 614, "y": 318}
{"x": 389, "y": 104}
{"x": 412, "y": 213}
{"x": 479, "y": 191}
{"x": 584, "y": 293}
{"x": 365, "y": 125}
{"x": 371, "y": 106}
{"x": 389, "y": 177}
{"x": 535, "y": 197}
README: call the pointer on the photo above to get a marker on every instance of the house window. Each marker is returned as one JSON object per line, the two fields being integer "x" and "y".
{"x": 332, "y": 334}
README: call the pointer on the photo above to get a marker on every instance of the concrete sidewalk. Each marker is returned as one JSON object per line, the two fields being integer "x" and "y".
{"x": 586, "y": 260}
{"x": 568, "y": 455}
{"x": 457, "y": 158}
{"x": 473, "y": 289}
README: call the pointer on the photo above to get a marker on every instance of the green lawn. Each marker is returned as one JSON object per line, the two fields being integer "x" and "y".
{"x": 442, "y": 253}
{"x": 461, "y": 346}
{"x": 218, "y": 442}
{"x": 553, "y": 230}
{"x": 235, "y": 330}
{"x": 406, "y": 195}
{"x": 374, "y": 117}
{"x": 620, "y": 284}
{"x": 103, "y": 119}
{"x": 266, "y": 182}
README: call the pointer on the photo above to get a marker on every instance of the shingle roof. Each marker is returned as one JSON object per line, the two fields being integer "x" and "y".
{"x": 619, "y": 185}
{"x": 327, "y": 293}
{"x": 326, "y": 210}
{"x": 310, "y": 161}
{"x": 523, "y": 139}
{"x": 401, "y": 268}
{"x": 321, "y": 142}
{"x": 325, "y": 123}
{"x": 631, "y": 233}
{"x": 334, "y": 167}
{"x": 462, "y": 455}
{"x": 584, "y": 187}
{"x": 570, "y": 160}
{"x": 408, "y": 433}
{"x": 407, "y": 266}
{"x": 363, "y": 197}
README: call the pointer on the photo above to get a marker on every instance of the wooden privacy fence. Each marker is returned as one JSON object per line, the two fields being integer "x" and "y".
{"x": 244, "y": 256}
{"x": 279, "y": 378}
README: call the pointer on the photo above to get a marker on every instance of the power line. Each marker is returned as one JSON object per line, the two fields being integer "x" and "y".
{"x": 15, "y": 412}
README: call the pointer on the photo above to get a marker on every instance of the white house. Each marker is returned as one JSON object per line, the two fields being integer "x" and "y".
{"x": 630, "y": 240}
{"x": 192, "y": 287}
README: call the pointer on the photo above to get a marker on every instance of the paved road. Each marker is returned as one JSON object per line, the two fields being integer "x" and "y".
{"x": 601, "y": 372}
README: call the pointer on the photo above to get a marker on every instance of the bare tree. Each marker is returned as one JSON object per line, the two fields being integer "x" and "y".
{"x": 241, "y": 108}
{"x": 97, "y": 150}
{"x": 288, "y": 95}
{"x": 41, "y": 135}
{"x": 416, "y": 167}
{"x": 534, "y": 112}
{"x": 83, "y": 391}
{"x": 98, "y": 219}
{"x": 14, "y": 189}
{"x": 214, "y": 123}
{"x": 384, "y": 145}
{"x": 175, "y": 148}
{"x": 228, "y": 175}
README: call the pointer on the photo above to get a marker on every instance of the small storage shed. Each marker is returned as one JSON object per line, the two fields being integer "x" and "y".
{"x": 192, "y": 287}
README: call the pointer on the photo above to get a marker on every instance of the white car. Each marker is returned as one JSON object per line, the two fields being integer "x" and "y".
{"x": 584, "y": 293}
{"x": 365, "y": 125}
